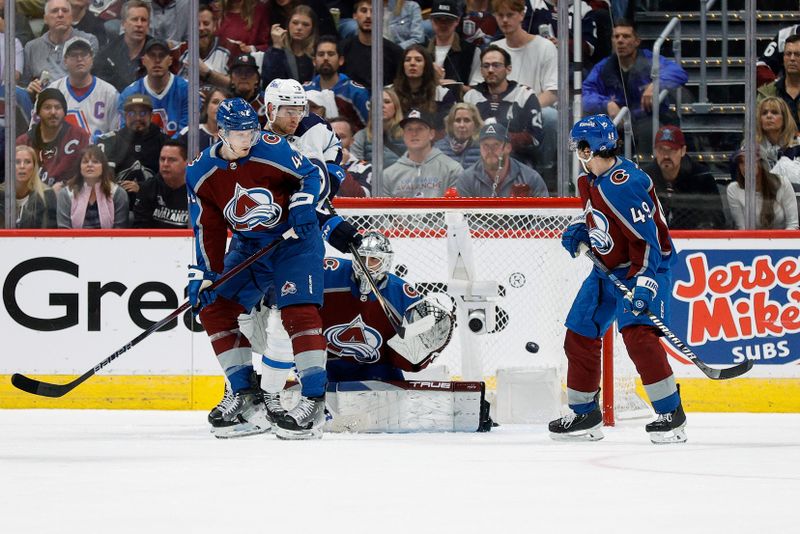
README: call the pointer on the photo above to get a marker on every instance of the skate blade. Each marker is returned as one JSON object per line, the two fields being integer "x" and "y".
{"x": 592, "y": 434}
{"x": 678, "y": 435}
{"x": 239, "y": 431}
{"x": 297, "y": 435}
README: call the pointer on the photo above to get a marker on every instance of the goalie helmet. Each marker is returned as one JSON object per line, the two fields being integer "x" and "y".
{"x": 284, "y": 92}
{"x": 376, "y": 250}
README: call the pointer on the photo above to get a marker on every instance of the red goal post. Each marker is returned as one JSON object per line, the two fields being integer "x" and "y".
{"x": 516, "y": 243}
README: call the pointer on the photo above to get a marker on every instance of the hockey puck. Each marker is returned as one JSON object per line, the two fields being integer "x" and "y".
{"x": 532, "y": 347}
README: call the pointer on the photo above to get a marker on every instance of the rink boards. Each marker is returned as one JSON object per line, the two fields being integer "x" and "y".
{"x": 70, "y": 300}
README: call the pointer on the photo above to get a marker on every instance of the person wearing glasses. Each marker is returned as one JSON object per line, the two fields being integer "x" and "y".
{"x": 133, "y": 150}
{"x": 91, "y": 102}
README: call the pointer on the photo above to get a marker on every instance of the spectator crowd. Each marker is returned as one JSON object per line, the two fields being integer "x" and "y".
{"x": 470, "y": 90}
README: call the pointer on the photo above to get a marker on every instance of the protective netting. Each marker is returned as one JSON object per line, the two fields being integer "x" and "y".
{"x": 520, "y": 249}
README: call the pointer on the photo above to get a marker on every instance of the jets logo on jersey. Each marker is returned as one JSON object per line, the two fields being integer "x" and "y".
{"x": 330, "y": 264}
{"x": 599, "y": 234}
{"x": 252, "y": 209}
{"x": 619, "y": 177}
{"x": 356, "y": 340}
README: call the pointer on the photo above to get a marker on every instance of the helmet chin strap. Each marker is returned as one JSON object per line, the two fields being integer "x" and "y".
{"x": 585, "y": 162}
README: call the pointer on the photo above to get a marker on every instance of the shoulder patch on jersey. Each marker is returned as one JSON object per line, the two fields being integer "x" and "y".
{"x": 620, "y": 176}
{"x": 330, "y": 264}
{"x": 271, "y": 139}
{"x": 410, "y": 291}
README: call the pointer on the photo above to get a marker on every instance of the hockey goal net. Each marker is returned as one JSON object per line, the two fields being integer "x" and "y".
{"x": 515, "y": 243}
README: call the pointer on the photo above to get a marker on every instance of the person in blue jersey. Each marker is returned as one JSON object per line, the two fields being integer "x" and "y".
{"x": 258, "y": 187}
{"x": 625, "y": 226}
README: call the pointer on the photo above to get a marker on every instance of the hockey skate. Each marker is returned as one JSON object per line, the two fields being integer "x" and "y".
{"x": 304, "y": 421}
{"x": 244, "y": 415}
{"x": 668, "y": 427}
{"x": 275, "y": 410}
{"x": 216, "y": 412}
{"x": 575, "y": 427}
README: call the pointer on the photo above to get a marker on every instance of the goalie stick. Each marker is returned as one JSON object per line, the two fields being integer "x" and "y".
{"x": 710, "y": 372}
{"x": 45, "y": 389}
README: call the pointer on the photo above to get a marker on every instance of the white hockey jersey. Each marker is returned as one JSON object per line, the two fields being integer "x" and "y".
{"x": 96, "y": 111}
{"x": 316, "y": 140}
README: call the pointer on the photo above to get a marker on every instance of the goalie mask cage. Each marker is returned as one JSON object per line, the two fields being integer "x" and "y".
{"x": 515, "y": 242}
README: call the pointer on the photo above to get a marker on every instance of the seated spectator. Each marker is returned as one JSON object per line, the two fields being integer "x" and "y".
{"x": 22, "y": 28}
{"x": 358, "y": 177}
{"x": 290, "y": 56}
{"x": 208, "y": 119}
{"x": 245, "y": 22}
{"x": 393, "y": 146}
{"x": 511, "y": 104}
{"x": 87, "y": 22}
{"x": 405, "y": 23}
{"x": 686, "y": 189}
{"x": 281, "y": 12}
{"x": 24, "y": 109}
{"x": 120, "y": 62}
{"x": 43, "y": 55}
{"x": 423, "y": 171}
{"x": 417, "y": 87}
{"x": 595, "y": 28}
{"x": 161, "y": 201}
{"x": 497, "y": 174}
{"x": 19, "y": 56}
{"x": 170, "y": 20}
{"x": 91, "y": 102}
{"x": 58, "y": 144}
{"x": 168, "y": 93}
{"x": 92, "y": 199}
{"x": 462, "y": 125}
{"x": 787, "y": 87}
{"x": 352, "y": 99}
{"x": 246, "y": 83}
{"x": 357, "y": 50}
{"x": 776, "y": 205}
{"x": 607, "y": 90}
{"x": 36, "y": 203}
{"x": 215, "y": 52}
{"x": 453, "y": 57}
{"x": 770, "y": 63}
{"x": 776, "y": 131}
{"x": 133, "y": 150}
{"x": 478, "y": 27}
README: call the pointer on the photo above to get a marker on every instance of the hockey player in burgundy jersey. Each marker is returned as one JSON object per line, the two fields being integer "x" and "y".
{"x": 626, "y": 228}
{"x": 256, "y": 185}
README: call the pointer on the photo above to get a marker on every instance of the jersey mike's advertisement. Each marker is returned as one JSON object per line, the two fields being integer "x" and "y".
{"x": 739, "y": 301}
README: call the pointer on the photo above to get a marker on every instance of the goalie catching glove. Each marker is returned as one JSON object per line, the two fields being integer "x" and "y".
{"x": 429, "y": 325}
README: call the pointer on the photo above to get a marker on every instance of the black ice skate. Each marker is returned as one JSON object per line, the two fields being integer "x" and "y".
{"x": 244, "y": 415}
{"x": 574, "y": 427}
{"x": 275, "y": 409}
{"x": 216, "y": 412}
{"x": 668, "y": 427}
{"x": 304, "y": 421}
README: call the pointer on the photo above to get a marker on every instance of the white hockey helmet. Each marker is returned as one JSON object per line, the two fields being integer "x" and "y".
{"x": 284, "y": 92}
{"x": 376, "y": 250}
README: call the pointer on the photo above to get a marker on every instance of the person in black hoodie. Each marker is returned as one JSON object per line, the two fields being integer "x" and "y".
{"x": 161, "y": 201}
{"x": 133, "y": 150}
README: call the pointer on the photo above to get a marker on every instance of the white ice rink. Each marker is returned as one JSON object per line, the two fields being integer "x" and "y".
{"x": 152, "y": 472}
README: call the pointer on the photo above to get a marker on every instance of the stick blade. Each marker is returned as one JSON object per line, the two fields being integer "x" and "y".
{"x": 736, "y": 370}
{"x": 36, "y": 387}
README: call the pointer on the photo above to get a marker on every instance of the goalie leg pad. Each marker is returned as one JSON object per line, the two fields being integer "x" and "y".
{"x": 407, "y": 406}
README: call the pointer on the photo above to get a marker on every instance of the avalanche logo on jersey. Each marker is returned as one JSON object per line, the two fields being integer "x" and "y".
{"x": 356, "y": 340}
{"x": 598, "y": 234}
{"x": 619, "y": 177}
{"x": 252, "y": 209}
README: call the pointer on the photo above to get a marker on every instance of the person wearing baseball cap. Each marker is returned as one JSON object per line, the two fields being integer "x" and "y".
{"x": 497, "y": 174}
{"x": 246, "y": 83}
{"x": 453, "y": 56}
{"x": 686, "y": 188}
{"x": 423, "y": 171}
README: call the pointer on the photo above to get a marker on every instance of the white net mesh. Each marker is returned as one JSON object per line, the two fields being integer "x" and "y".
{"x": 520, "y": 249}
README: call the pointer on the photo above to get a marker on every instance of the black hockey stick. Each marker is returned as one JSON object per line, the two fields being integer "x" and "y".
{"x": 45, "y": 389}
{"x": 710, "y": 372}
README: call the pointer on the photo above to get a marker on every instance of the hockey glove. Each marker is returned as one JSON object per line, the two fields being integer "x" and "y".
{"x": 644, "y": 292}
{"x": 335, "y": 172}
{"x": 302, "y": 214}
{"x": 575, "y": 234}
{"x": 199, "y": 294}
{"x": 341, "y": 234}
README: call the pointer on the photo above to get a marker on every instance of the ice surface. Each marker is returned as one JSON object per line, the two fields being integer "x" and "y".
{"x": 151, "y": 472}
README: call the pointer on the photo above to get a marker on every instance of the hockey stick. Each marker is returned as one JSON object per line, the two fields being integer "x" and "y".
{"x": 394, "y": 320}
{"x": 710, "y": 372}
{"x": 45, "y": 389}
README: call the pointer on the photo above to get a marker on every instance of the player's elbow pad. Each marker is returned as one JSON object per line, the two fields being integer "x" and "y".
{"x": 335, "y": 172}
